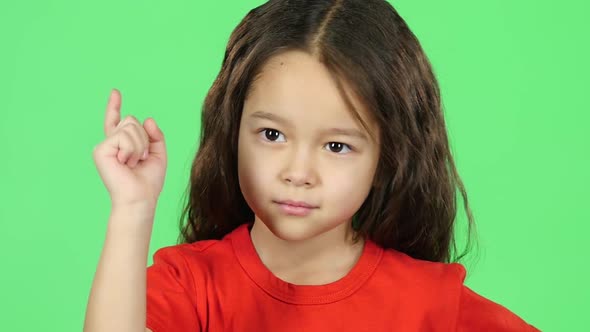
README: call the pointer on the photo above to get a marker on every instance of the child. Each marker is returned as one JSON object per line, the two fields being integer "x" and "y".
{"x": 322, "y": 197}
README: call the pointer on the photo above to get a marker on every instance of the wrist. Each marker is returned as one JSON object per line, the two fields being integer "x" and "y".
{"x": 131, "y": 222}
{"x": 143, "y": 207}
{"x": 136, "y": 215}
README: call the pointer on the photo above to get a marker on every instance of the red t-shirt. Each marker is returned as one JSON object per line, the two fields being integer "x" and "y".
{"x": 222, "y": 285}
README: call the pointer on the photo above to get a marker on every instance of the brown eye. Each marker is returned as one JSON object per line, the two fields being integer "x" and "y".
{"x": 272, "y": 135}
{"x": 337, "y": 147}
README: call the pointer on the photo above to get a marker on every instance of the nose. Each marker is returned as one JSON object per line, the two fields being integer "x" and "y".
{"x": 300, "y": 169}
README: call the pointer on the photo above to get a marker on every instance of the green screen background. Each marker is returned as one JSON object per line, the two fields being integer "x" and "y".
{"x": 514, "y": 84}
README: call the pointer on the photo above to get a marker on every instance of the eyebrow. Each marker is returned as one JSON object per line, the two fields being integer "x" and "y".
{"x": 346, "y": 132}
{"x": 330, "y": 131}
{"x": 269, "y": 116}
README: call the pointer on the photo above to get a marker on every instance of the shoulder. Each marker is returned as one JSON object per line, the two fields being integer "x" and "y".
{"x": 196, "y": 255}
{"x": 479, "y": 313}
{"x": 433, "y": 288}
{"x": 176, "y": 283}
{"x": 426, "y": 273}
{"x": 187, "y": 269}
{"x": 440, "y": 287}
{"x": 197, "y": 264}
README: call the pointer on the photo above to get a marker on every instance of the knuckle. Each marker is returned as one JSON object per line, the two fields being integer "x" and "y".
{"x": 125, "y": 135}
{"x": 127, "y": 125}
{"x": 126, "y": 142}
{"x": 125, "y": 149}
{"x": 131, "y": 119}
{"x": 127, "y": 120}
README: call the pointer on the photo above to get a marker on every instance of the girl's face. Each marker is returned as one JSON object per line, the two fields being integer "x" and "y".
{"x": 300, "y": 145}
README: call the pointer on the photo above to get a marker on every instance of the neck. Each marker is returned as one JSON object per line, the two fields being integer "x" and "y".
{"x": 315, "y": 261}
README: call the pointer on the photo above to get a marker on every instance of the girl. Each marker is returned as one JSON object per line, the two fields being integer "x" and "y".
{"x": 322, "y": 197}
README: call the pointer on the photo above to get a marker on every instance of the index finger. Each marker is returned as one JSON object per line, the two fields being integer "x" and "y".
{"x": 113, "y": 112}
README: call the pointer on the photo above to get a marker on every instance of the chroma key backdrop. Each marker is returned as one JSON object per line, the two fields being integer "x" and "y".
{"x": 514, "y": 85}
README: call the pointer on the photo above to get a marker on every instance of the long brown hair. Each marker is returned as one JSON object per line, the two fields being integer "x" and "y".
{"x": 412, "y": 206}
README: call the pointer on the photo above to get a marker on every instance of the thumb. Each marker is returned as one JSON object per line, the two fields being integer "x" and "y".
{"x": 156, "y": 137}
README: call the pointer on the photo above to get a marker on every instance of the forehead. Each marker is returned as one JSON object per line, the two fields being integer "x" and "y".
{"x": 296, "y": 85}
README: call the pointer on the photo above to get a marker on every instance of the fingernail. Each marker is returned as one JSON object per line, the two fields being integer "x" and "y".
{"x": 145, "y": 154}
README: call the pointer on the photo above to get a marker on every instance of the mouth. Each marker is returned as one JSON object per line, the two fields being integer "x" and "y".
{"x": 295, "y": 208}
{"x": 297, "y": 204}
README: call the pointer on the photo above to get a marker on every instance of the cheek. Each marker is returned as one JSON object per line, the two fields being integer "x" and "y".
{"x": 252, "y": 173}
{"x": 347, "y": 188}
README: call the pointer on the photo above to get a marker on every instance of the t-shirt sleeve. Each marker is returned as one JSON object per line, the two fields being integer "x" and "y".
{"x": 171, "y": 294}
{"x": 477, "y": 313}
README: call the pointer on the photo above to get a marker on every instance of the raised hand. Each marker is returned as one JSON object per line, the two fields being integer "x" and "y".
{"x": 132, "y": 159}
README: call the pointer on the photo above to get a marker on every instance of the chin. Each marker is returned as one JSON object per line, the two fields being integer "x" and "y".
{"x": 296, "y": 229}
{"x": 291, "y": 230}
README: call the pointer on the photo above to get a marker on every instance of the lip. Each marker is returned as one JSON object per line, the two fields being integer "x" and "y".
{"x": 295, "y": 208}
{"x": 297, "y": 204}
